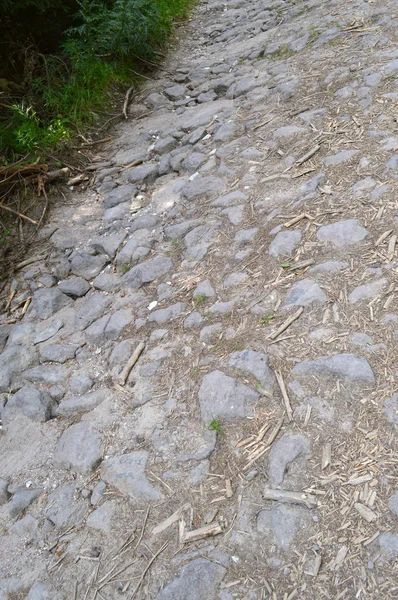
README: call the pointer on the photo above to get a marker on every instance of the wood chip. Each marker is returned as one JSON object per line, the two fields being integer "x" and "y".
{"x": 202, "y": 532}
{"x": 307, "y": 500}
{"x": 391, "y": 248}
{"x": 228, "y": 487}
{"x": 326, "y": 455}
{"x": 298, "y": 219}
{"x": 170, "y": 520}
{"x": 340, "y": 558}
{"x": 286, "y": 324}
{"x": 383, "y": 237}
{"x": 365, "y": 512}
{"x": 308, "y": 155}
{"x": 285, "y": 396}
{"x": 358, "y": 480}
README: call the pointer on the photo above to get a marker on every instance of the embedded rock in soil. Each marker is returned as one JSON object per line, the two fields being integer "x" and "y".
{"x": 391, "y": 409}
{"x": 282, "y": 524}
{"x": 12, "y": 361}
{"x": 200, "y": 576}
{"x": 127, "y": 474}
{"x": 284, "y": 243}
{"x": 245, "y": 236}
{"x": 33, "y": 403}
{"x": 40, "y": 591}
{"x": 146, "y": 272}
{"x": 80, "y": 383}
{"x": 393, "y": 504}
{"x": 388, "y": 543}
{"x": 109, "y": 244}
{"x": 59, "y": 353}
{"x": 46, "y": 302}
{"x": 367, "y": 291}
{"x": 48, "y": 374}
{"x": 94, "y": 307}
{"x": 4, "y": 493}
{"x": 349, "y": 368}
{"x": 123, "y": 193}
{"x": 304, "y": 293}
{"x": 340, "y": 157}
{"x": 79, "y": 448}
{"x": 165, "y": 315}
{"x": 75, "y": 287}
{"x": 22, "y": 498}
{"x": 108, "y": 327}
{"x": 342, "y": 233}
{"x": 222, "y": 397}
{"x": 330, "y": 266}
{"x": 204, "y": 289}
{"x": 255, "y": 364}
{"x": 283, "y": 452}
{"x": 101, "y": 518}
{"x": 87, "y": 266}
{"x": 202, "y": 186}
{"x": 231, "y": 199}
{"x": 63, "y": 510}
{"x": 141, "y": 174}
{"x": 78, "y": 404}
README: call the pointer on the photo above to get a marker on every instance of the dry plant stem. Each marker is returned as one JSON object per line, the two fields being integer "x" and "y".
{"x": 287, "y": 323}
{"x": 202, "y": 532}
{"x": 285, "y": 396}
{"x": 300, "y": 498}
{"x": 126, "y": 102}
{"x": 145, "y": 571}
{"x": 18, "y": 214}
{"x": 135, "y": 356}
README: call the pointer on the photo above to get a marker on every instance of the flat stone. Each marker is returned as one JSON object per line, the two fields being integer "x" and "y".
{"x": 107, "y": 282}
{"x": 109, "y": 244}
{"x": 203, "y": 114}
{"x": 164, "y": 145}
{"x": 27, "y": 529}
{"x": 284, "y": 243}
{"x": 109, "y": 327}
{"x": 199, "y": 473}
{"x": 88, "y": 266}
{"x": 120, "y": 195}
{"x": 14, "y": 360}
{"x": 22, "y": 498}
{"x": 388, "y": 543}
{"x": 79, "y": 448}
{"x": 80, "y": 383}
{"x": 391, "y": 408}
{"x": 204, "y": 290}
{"x": 288, "y": 131}
{"x": 4, "y": 493}
{"x": 101, "y": 518}
{"x": 59, "y": 353}
{"x": 304, "y": 293}
{"x": 147, "y": 271}
{"x": 4, "y": 333}
{"x": 175, "y": 92}
{"x": 164, "y": 315}
{"x": 47, "y": 374}
{"x": 340, "y": 157}
{"x": 21, "y": 333}
{"x": 235, "y": 279}
{"x": 222, "y": 397}
{"x": 367, "y": 291}
{"x": 193, "y": 320}
{"x": 281, "y": 525}
{"x": 245, "y": 236}
{"x": 255, "y": 364}
{"x": 75, "y": 287}
{"x": 210, "y": 332}
{"x": 393, "y": 504}
{"x": 225, "y": 132}
{"x": 223, "y": 308}
{"x": 29, "y": 401}
{"x": 86, "y": 402}
{"x": 47, "y": 301}
{"x": 342, "y": 233}
{"x": 202, "y": 187}
{"x": 201, "y": 446}
{"x": 63, "y": 509}
{"x": 121, "y": 353}
{"x": 95, "y": 306}
{"x": 349, "y": 368}
{"x": 174, "y": 232}
{"x": 283, "y": 452}
{"x": 117, "y": 213}
{"x": 234, "y": 214}
{"x": 201, "y": 575}
{"x": 231, "y": 199}
{"x": 141, "y": 174}
{"x": 127, "y": 474}
{"x": 48, "y": 332}
{"x": 330, "y": 266}
{"x": 98, "y": 493}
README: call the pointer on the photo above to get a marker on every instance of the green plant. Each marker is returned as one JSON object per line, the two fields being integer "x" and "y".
{"x": 199, "y": 299}
{"x": 196, "y": 372}
{"x": 124, "y": 269}
{"x": 216, "y": 426}
{"x": 266, "y": 319}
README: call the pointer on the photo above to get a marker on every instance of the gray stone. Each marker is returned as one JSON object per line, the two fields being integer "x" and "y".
{"x": 4, "y": 493}
{"x": 63, "y": 510}
{"x": 388, "y": 543}
{"x": 75, "y": 287}
{"x": 342, "y": 233}
{"x": 234, "y": 214}
{"x": 201, "y": 576}
{"x": 231, "y": 199}
{"x": 88, "y": 266}
{"x": 107, "y": 282}
{"x": 109, "y": 244}
{"x": 391, "y": 408}
{"x": 288, "y": 131}
{"x": 127, "y": 474}
{"x": 46, "y": 302}
{"x": 147, "y": 271}
{"x": 223, "y": 308}
{"x": 199, "y": 473}
{"x": 101, "y": 518}
{"x": 14, "y": 360}
{"x": 165, "y": 315}
{"x": 21, "y": 333}
{"x": 59, "y": 353}
{"x": 234, "y": 279}
{"x": 223, "y": 397}
{"x": 284, "y": 243}
{"x": 165, "y": 145}
{"x": 141, "y": 174}
{"x": 367, "y": 291}
{"x": 22, "y": 498}
{"x": 192, "y": 163}
{"x": 201, "y": 446}
{"x": 98, "y": 493}
{"x": 79, "y": 448}
{"x": 39, "y": 591}
{"x": 245, "y": 236}
{"x": 80, "y": 383}
{"x": 4, "y": 333}
{"x": 362, "y": 186}
{"x": 204, "y": 289}
{"x": 203, "y": 114}
{"x": 255, "y": 364}
{"x": 393, "y": 504}
{"x": 93, "y": 308}
{"x": 340, "y": 157}
{"x": 283, "y": 452}
{"x": 304, "y": 293}
{"x": 225, "y": 132}
{"x": 47, "y": 374}
{"x": 30, "y": 401}
{"x": 361, "y": 339}
{"x": 210, "y": 332}
{"x": 203, "y": 186}
{"x": 281, "y": 525}
{"x": 48, "y": 332}
{"x": 349, "y": 368}
{"x": 108, "y": 327}
{"x": 117, "y": 213}
{"x": 83, "y": 403}
{"x": 330, "y": 266}
{"x": 193, "y": 320}
{"x": 26, "y": 528}
{"x": 123, "y": 193}
{"x": 174, "y": 232}
{"x": 175, "y": 92}
{"x": 121, "y": 353}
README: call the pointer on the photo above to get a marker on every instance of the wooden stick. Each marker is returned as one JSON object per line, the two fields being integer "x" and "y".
{"x": 202, "y": 532}
{"x": 298, "y": 219}
{"x": 308, "y": 155}
{"x": 391, "y": 248}
{"x": 287, "y": 323}
{"x": 285, "y": 396}
{"x": 145, "y": 571}
{"x": 135, "y": 356}
{"x": 383, "y": 237}
{"x": 170, "y": 520}
{"x": 275, "y": 432}
{"x": 326, "y": 455}
{"x": 300, "y": 498}
{"x": 126, "y": 102}
{"x": 18, "y": 214}
{"x": 365, "y": 512}
{"x": 302, "y": 264}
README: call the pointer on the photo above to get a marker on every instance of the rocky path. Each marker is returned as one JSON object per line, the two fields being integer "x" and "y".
{"x": 239, "y": 242}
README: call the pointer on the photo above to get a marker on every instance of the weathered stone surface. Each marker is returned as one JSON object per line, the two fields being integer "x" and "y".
{"x": 27, "y": 529}
{"x": 174, "y": 232}
{"x": 127, "y": 474}
{"x": 141, "y": 174}
{"x": 75, "y": 287}
{"x": 367, "y": 291}
{"x": 235, "y": 279}
{"x": 59, "y": 353}
{"x": 175, "y": 92}
{"x": 22, "y": 498}
{"x": 340, "y": 157}
{"x": 305, "y": 293}
{"x": 204, "y": 290}
{"x": 147, "y": 271}
{"x": 255, "y": 364}
{"x": 108, "y": 327}
{"x": 393, "y": 504}
{"x": 201, "y": 575}
{"x": 101, "y": 518}
{"x": 109, "y": 244}
{"x": 231, "y": 199}
{"x": 107, "y": 282}
{"x": 98, "y": 493}
{"x": 4, "y": 493}
{"x": 94, "y": 307}
{"x": 284, "y": 243}
{"x": 21, "y": 333}
{"x": 79, "y": 404}
{"x": 223, "y": 308}
{"x": 342, "y": 233}
{"x": 88, "y": 266}
{"x": 63, "y": 509}
{"x": 80, "y": 383}
{"x": 40, "y": 591}
{"x": 48, "y": 374}
{"x": 203, "y": 186}
{"x": 79, "y": 448}
{"x": 245, "y": 236}
{"x": 14, "y": 360}
{"x": 223, "y": 397}
{"x": 388, "y": 543}
{"x": 391, "y": 409}
{"x": 46, "y": 302}
{"x": 30, "y": 401}
{"x": 349, "y": 368}
{"x": 282, "y": 524}
{"x": 283, "y": 452}
{"x": 330, "y": 266}
{"x": 165, "y": 315}
{"x": 121, "y": 194}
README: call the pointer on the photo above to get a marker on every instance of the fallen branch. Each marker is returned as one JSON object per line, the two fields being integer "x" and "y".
{"x": 300, "y": 498}
{"x": 145, "y": 571}
{"x": 126, "y": 102}
{"x": 126, "y": 371}
{"x": 18, "y": 214}
{"x": 202, "y": 532}
{"x": 286, "y": 400}
{"x": 287, "y": 323}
